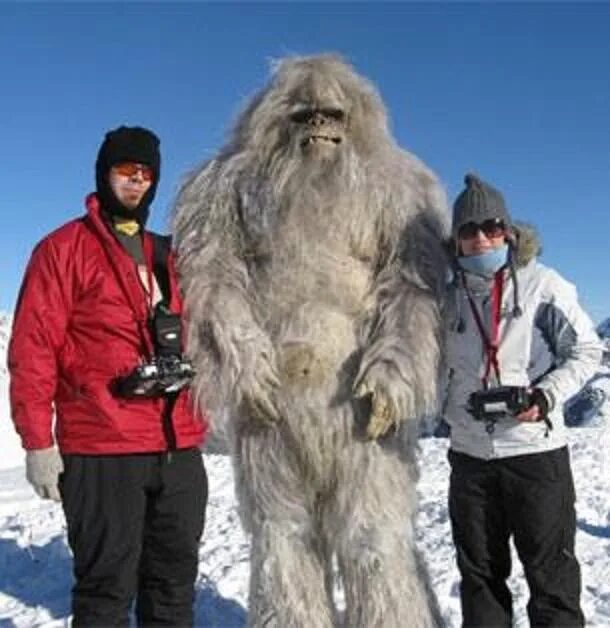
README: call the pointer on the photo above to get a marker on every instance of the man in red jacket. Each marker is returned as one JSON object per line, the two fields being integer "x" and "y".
{"x": 96, "y": 346}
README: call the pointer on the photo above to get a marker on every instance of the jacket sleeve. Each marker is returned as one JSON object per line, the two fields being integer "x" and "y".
{"x": 570, "y": 336}
{"x": 38, "y": 334}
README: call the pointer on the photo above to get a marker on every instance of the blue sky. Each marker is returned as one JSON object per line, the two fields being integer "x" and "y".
{"x": 518, "y": 92}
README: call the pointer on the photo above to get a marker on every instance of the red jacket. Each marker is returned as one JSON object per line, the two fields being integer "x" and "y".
{"x": 81, "y": 321}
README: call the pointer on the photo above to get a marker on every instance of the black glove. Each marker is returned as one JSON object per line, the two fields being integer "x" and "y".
{"x": 539, "y": 398}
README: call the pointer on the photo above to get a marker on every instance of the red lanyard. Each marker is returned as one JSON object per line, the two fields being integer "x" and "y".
{"x": 490, "y": 342}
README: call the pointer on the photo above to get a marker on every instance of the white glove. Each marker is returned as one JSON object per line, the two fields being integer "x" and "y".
{"x": 42, "y": 469}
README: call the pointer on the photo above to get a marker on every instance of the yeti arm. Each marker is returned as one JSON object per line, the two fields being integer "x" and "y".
{"x": 232, "y": 353}
{"x": 401, "y": 348}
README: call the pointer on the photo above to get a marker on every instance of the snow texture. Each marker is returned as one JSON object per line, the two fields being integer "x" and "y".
{"x": 35, "y": 562}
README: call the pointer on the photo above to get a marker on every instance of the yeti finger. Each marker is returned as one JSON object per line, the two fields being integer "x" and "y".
{"x": 271, "y": 380}
{"x": 382, "y": 418}
{"x": 267, "y": 373}
{"x": 265, "y": 410}
{"x": 377, "y": 427}
{"x": 363, "y": 389}
{"x": 256, "y": 408}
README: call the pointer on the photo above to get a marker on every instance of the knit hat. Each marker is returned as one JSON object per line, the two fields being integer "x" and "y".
{"x": 478, "y": 202}
{"x": 125, "y": 143}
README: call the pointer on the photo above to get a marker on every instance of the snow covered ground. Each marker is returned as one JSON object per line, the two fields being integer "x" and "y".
{"x": 35, "y": 564}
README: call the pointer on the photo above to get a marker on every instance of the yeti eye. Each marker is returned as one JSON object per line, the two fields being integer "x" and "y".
{"x": 301, "y": 115}
{"x": 335, "y": 114}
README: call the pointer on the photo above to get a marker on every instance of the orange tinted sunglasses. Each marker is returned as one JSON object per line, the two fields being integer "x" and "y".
{"x": 130, "y": 169}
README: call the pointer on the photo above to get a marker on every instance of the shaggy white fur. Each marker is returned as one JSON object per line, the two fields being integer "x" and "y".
{"x": 310, "y": 254}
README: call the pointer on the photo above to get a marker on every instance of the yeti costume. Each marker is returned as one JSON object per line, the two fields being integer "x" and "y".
{"x": 310, "y": 252}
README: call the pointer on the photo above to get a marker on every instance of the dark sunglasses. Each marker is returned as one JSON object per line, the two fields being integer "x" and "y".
{"x": 493, "y": 228}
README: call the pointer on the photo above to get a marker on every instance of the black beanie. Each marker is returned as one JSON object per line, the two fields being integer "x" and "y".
{"x": 127, "y": 144}
{"x": 478, "y": 202}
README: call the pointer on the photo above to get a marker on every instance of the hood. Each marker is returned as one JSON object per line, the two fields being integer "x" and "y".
{"x": 127, "y": 144}
{"x": 526, "y": 245}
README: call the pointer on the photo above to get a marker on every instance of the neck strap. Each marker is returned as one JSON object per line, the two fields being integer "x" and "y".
{"x": 491, "y": 340}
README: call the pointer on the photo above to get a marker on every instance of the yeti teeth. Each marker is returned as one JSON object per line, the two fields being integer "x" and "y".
{"x": 322, "y": 138}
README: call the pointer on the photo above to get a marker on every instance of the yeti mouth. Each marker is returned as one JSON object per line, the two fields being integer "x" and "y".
{"x": 320, "y": 139}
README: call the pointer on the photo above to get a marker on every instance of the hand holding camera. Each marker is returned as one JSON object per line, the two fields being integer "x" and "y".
{"x": 538, "y": 408}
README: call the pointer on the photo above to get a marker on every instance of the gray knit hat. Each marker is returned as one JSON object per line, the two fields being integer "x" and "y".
{"x": 478, "y": 202}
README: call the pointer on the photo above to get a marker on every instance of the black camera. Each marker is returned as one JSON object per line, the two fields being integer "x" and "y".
{"x": 494, "y": 403}
{"x": 169, "y": 371}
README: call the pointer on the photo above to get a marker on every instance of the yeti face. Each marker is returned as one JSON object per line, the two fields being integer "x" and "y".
{"x": 316, "y": 118}
{"x": 318, "y": 130}
{"x": 315, "y": 111}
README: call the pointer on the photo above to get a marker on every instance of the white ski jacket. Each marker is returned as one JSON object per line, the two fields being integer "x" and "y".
{"x": 545, "y": 340}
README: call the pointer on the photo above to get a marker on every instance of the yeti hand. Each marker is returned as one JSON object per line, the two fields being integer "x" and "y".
{"x": 258, "y": 392}
{"x": 386, "y": 409}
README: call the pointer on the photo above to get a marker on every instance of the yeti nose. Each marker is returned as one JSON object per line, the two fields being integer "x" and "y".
{"x": 317, "y": 119}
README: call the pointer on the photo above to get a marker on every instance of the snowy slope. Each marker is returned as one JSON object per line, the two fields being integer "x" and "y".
{"x": 10, "y": 451}
{"x": 35, "y": 565}
{"x": 5, "y": 330}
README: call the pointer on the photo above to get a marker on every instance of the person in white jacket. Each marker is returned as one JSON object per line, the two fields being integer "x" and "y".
{"x": 517, "y": 345}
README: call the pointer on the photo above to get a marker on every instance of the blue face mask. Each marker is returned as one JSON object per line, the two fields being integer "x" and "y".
{"x": 485, "y": 264}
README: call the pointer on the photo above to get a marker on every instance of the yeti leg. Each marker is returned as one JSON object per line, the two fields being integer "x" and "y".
{"x": 287, "y": 576}
{"x": 385, "y": 585}
{"x": 287, "y": 581}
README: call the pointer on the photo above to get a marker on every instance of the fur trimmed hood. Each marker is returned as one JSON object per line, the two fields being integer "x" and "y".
{"x": 526, "y": 244}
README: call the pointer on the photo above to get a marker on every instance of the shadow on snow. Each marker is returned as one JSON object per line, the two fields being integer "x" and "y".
{"x": 41, "y": 576}
{"x": 37, "y": 575}
{"x": 214, "y": 611}
{"x": 602, "y": 532}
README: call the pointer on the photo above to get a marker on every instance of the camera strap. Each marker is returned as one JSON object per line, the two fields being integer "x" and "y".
{"x": 156, "y": 255}
{"x": 157, "y": 264}
{"x": 491, "y": 340}
{"x": 161, "y": 249}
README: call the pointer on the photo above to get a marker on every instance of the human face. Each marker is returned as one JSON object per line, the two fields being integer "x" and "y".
{"x": 474, "y": 239}
{"x": 130, "y": 182}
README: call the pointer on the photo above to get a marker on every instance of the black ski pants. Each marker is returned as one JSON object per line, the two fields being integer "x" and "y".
{"x": 134, "y": 525}
{"x": 530, "y": 497}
